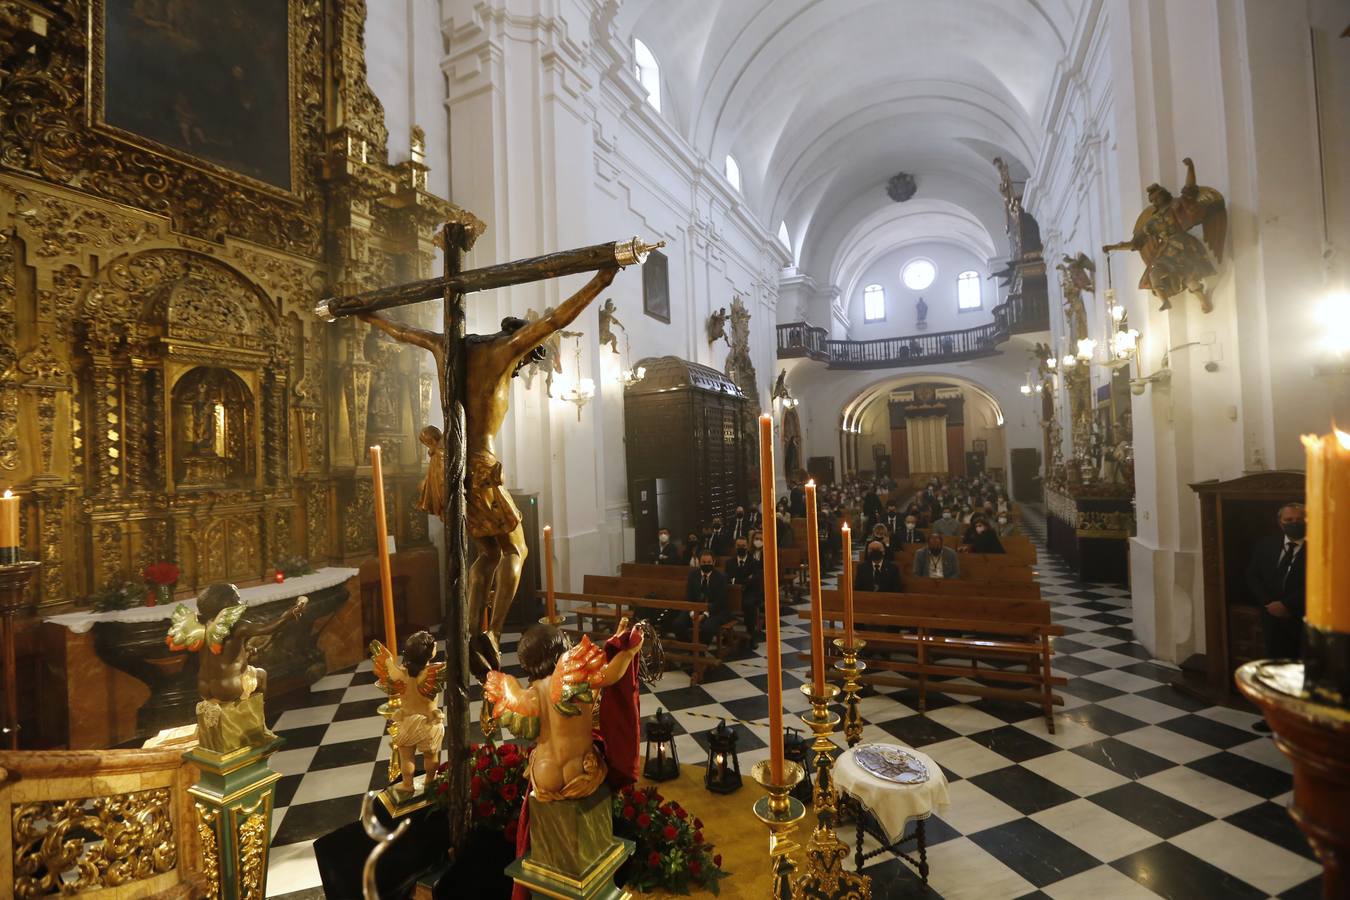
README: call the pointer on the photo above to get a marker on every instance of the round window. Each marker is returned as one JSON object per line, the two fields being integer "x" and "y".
{"x": 918, "y": 274}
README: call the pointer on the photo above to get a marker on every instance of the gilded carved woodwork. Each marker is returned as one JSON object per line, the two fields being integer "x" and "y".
{"x": 206, "y": 834}
{"x": 253, "y": 849}
{"x": 9, "y": 357}
{"x": 77, "y": 845}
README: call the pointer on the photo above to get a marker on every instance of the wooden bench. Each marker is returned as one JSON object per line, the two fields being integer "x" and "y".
{"x": 791, "y": 566}
{"x": 940, "y": 633}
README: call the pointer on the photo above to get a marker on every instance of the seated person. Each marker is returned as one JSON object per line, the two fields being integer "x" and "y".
{"x": 740, "y": 523}
{"x": 980, "y": 537}
{"x": 1003, "y": 527}
{"x": 935, "y": 560}
{"x": 666, "y": 553}
{"x": 747, "y": 570}
{"x": 709, "y": 586}
{"x": 693, "y": 547}
{"x": 876, "y": 572}
{"x": 948, "y": 525}
{"x": 910, "y": 533}
{"x": 717, "y": 539}
{"x": 872, "y": 506}
{"x": 881, "y": 534}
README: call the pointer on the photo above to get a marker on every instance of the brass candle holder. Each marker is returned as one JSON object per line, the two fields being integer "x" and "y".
{"x": 389, "y": 709}
{"x": 781, "y": 813}
{"x": 851, "y": 668}
{"x": 822, "y": 722}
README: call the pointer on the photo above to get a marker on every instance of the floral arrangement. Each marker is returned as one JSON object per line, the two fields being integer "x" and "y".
{"x": 294, "y": 567}
{"x": 122, "y": 593}
{"x": 671, "y": 851}
{"x": 496, "y": 788}
{"x": 163, "y": 574}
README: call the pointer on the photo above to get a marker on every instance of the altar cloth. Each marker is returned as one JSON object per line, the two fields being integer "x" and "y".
{"x": 892, "y": 803}
{"x": 80, "y": 622}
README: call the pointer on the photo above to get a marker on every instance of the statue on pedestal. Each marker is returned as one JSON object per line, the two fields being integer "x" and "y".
{"x": 230, "y": 714}
{"x": 494, "y": 523}
{"x": 419, "y": 722}
{"x": 1175, "y": 260}
{"x": 920, "y": 314}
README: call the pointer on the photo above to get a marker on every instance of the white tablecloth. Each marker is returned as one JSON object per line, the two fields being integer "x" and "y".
{"x": 80, "y": 622}
{"x": 893, "y": 804}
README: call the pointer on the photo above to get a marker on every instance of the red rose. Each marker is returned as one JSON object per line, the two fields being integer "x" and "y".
{"x": 669, "y": 831}
{"x": 627, "y": 790}
{"x": 698, "y": 837}
{"x": 486, "y": 809}
{"x": 680, "y": 813}
{"x": 510, "y": 792}
{"x": 629, "y": 812}
{"x": 639, "y": 798}
{"x": 443, "y": 788}
{"x": 698, "y": 823}
{"x": 665, "y": 808}
{"x": 475, "y": 787}
{"x": 717, "y": 860}
{"x": 482, "y": 763}
{"x": 654, "y": 859}
{"x": 644, "y": 820}
{"x": 496, "y": 774}
{"x": 695, "y": 868}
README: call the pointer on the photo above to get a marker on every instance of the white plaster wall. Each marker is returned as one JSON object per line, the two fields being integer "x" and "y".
{"x": 950, "y": 261}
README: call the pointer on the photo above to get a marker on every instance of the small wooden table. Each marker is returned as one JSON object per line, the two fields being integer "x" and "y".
{"x": 883, "y": 808}
{"x": 1316, "y": 738}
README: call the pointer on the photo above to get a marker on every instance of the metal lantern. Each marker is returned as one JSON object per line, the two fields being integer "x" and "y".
{"x": 724, "y": 767}
{"x": 796, "y": 748}
{"x": 663, "y": 761}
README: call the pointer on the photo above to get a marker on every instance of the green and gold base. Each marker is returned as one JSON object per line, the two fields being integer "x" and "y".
{"x": 573, "y": 852}
{"x": 232, "y": 812}
{"x": 398, "y": 802}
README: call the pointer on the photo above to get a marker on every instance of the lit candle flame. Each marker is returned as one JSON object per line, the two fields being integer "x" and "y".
{"x": 8, "y": 494}
{"x": 1341, "y": 437}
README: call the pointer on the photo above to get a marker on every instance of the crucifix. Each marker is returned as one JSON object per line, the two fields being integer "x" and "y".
{"x": 475, "y": 374}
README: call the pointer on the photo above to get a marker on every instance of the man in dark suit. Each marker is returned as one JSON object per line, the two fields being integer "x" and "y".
{"x": 747, "y": 570}
{"x": 705, "y": 585}
{"x": 872, "y": 507}
{"x": 892, "y": 520}
{"x": 667, "y": 554}
{"x": 910, "y": 533}
{"x": 876, "y": 573}
{"x": 1276, "y": 577}
{"x": 719, "y": 539}
{"x": 741, "y": 524}
{"x": 935, "y": 560}
{"x": 797, "y": 500}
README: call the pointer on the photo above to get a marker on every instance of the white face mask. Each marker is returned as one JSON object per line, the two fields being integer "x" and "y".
{"x": 1003, "y": 520}
{"x": 664, "y": 538}
{"x": 946, "y": 515}
{"x": 759, "y": 544}
{"x": 911, "y": 525}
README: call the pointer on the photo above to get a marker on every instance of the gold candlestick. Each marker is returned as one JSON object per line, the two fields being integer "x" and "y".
{"x": 852, "y": 668}
{"x": 781, "y": 813}
{"x": 822, "y": 722}
{"x": 390, "y": 709}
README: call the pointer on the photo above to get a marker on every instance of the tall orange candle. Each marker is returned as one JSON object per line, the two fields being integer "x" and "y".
{"x": 382, "y": 549}
{"x": 766, "y": 499}
{"x": 817, "y": 610}
{"x": 9, "y": 528}
{"x": 549, "y": 598}
{"x": 1328, "y": 489}
{"x": 846, "y": 581}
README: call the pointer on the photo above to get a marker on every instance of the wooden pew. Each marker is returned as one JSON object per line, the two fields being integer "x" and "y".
{"x": 932, "y": 630}
{"x": 791, "y": 562}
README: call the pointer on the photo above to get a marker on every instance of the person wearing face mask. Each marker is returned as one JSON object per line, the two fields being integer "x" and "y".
{"x": 1276, "y": 577}
{"x": 876, "y": 572}
{"x": 872, "y": 506}
{"x": 740, "y": 524}
{"x": 709, "y": 586}
{"x": 881, "y": 534}
{"x": 892, "y": 519}
{"x": 693, "y": 546}
{"x": 666, "y": 554}
{"x": 1003, "y": 527}
{"x": 935, "y": 560}
{"x": 718, "y": 539}
{"x": 948, "y": 525}
{"x": 980, "y": 537}
{"x": 748, "y": 571}
{"x": 909, "y": 532}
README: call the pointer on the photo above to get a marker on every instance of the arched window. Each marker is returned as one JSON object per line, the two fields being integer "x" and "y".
{"x": 648, "y": 73}
{"x": 733, "y": 172}
{"x": 968, "y": 291}
{"x": 918, "y": 274}
{"x": 874, "y": 304}
{"x": 783, "y": 237}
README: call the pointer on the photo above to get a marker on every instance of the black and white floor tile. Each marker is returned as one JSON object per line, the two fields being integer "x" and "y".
{"x": 1140, "y": 792}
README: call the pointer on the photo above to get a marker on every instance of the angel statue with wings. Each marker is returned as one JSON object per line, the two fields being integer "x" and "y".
{"x": 419, "y": 722}
{"x": 230, "y": 714}
{"x": 1176, "y": 260}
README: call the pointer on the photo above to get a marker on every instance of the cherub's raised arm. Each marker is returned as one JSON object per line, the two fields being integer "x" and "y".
{"x": 517, "y": 707}
{"x": 533, "y": 334}
{"x": 246, "y": 630}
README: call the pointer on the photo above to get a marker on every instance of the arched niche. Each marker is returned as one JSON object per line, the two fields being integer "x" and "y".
{"x": 213, "y": 416}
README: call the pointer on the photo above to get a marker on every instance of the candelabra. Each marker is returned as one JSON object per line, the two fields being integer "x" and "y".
{"x": 781, "y": 813}
{"x": 852, "y": 668}
{"x": 822, "y": 723}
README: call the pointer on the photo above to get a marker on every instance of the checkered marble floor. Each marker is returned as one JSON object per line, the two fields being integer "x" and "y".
{"x": 1141, "y": 792}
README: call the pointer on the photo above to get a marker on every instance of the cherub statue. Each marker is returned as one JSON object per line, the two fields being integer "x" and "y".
{"x": 608, "y": 320}
{"x": 717, "y": 327}
{"x": 419, "y": 722}
{"x": 557, "y": 707}
{"x": 780, "y": 390}
{"x": 1075, "y": 276}
{"x": 431, "y": 497}
{"x": 230, "y": 714}
{"x": 1175, "y": 260}
{"x": 549, "y": 358}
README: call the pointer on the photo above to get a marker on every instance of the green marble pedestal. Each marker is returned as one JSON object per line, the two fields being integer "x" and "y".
{"x": 232, "y": 812}
{"x": 573, "y": 852}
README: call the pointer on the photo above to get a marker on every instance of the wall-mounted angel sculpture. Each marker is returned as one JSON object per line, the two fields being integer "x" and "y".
{"x": 717, "y": 327}
{"x": 1175, "y": 259}
{"x": 419, "y": 723}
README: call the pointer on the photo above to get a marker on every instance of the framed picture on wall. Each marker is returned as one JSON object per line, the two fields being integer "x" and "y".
{"x": 656, "y": 286}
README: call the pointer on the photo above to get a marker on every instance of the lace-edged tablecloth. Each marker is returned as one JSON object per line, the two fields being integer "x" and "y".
{"x": 892, "y": 803}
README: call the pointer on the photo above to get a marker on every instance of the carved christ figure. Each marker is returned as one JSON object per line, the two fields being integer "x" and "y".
{"x": 494, "y": 522}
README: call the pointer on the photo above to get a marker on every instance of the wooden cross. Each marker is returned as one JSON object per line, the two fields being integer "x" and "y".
{"x": 457, "y": 239}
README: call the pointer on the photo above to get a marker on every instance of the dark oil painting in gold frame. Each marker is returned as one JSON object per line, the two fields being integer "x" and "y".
{"x": 209, "y": 82}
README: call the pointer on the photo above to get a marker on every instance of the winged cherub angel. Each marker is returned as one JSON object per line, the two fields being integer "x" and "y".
{"x": 420, "y": 723}
{"x": 1175, "y": 260}
{"x": 556, "y": 707}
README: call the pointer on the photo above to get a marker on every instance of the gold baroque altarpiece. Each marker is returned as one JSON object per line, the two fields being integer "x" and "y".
{"x": 166, "y": 393}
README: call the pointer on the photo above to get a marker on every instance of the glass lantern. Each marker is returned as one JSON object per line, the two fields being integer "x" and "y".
{"x": 662, "y": 760}
{"x": 724, "y": 767}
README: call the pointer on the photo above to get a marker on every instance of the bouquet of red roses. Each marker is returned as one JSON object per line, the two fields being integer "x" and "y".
{"x": 164, "y": 574}
{"x": 496, "y": 788}
{"x": 671, "y": 851}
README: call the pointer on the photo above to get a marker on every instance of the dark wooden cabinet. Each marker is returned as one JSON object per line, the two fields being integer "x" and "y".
{"x": 1234, "y": 515}
{"x": 690, "y": 442}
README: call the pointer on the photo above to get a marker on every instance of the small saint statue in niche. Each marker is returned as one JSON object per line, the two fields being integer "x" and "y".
{"x": 230, "y": 714}
{"x": 419, "y": 722}
{"x": 608, "y": 321}
{"x": 431, "y": 497}
{"x": 921, "y": 314}
{"x": 1174, "y": 259}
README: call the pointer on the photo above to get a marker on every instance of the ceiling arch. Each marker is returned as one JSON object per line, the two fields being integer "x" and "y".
{"x": 854, "y": 408}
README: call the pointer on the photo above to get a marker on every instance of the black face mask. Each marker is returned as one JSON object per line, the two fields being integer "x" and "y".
{"x": 706, "y": 570}
{"x": 742, "y": 551}
{"x": 1295, "y": 530}
{"x": 875, "y": 556}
